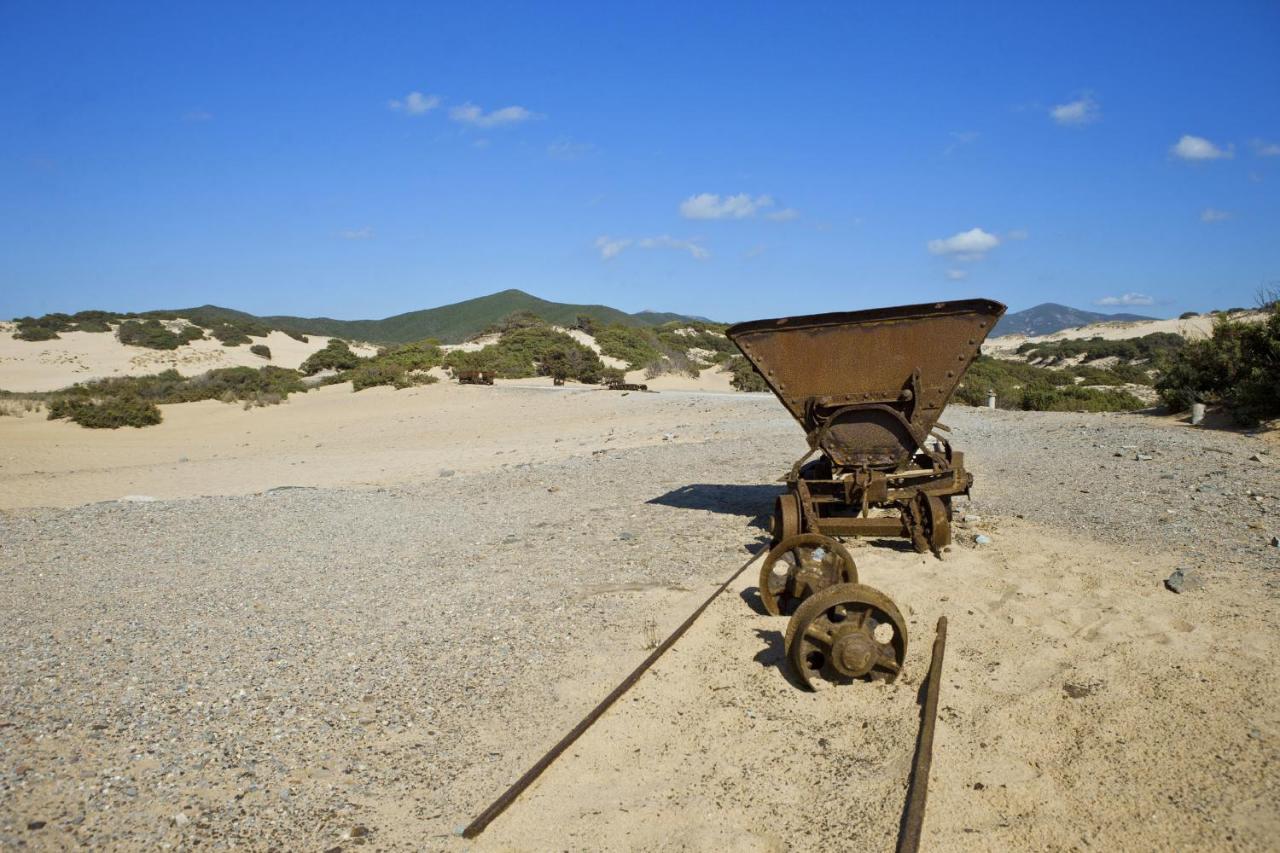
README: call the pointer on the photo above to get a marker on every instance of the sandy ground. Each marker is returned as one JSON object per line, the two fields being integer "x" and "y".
{"x": 1191, "y": 328}
{"x": 371, "y": 662}
{"x": 330, "y": 437}
{"x": 79, "y": 356}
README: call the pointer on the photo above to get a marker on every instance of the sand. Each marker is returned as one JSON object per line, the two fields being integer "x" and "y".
{"x": 326, "y": 437}
{"x": 81, "y": 356}
{"x": 1192, "y": 328}
{"x": 377, "y": 659}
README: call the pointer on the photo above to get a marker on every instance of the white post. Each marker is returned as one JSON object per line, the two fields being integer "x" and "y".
{"x": 991, "y": 399}
{"x": 1197, "y": 413}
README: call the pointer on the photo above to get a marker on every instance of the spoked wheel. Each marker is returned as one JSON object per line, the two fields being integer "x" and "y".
{"x": 799, "y": 566}
{"x": 844, "y": 632}
{"x": 786, "y": 517}
{"x": 928, "y": 520}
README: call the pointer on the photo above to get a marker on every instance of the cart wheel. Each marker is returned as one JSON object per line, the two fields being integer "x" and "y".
{"x": 844, "y": 632}
{"x": 937, "y": 518}
{"x": 799, "y": 566}
{"x": 786, "y": 517}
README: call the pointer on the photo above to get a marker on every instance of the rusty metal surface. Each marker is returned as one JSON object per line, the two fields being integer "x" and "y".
{"x": 873, "y": 383}
{"x": 868, "y": 388}
{"x": 913, "y": 815}
{"x": 626, "y": 386}
{"x": 799, "y": 566}
{"x": 846, "y": 632}
{"x": 474, "y": 377}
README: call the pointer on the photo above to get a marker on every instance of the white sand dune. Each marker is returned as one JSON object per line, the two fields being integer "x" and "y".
{"x": 81, "y": 356}
{"x": 1191, "y": 328}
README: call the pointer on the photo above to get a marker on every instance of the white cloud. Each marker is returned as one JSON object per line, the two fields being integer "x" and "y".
{"x": 1018, "y": 234}
{"x": 365, "y": 233}
{"x": 567, "y": 149}
{"x": 1083, "y": 110}
{"x": 472, "y": 115}
{"x": 712, "y": 206}
{"x": 785, "y": 215}
{"x": 957, "y": 275}
{"x": 611, "y": 247}
{"x": 960, "y": 138}
{"x": 1198, "y": 148}
{"x": 664, "y": 242}
{"x": 414, "y": 103}
{"x": 1265, "y": 149}
{"x": 197, "y": 116}
{"x": 755, "y": 251}
{"x": 1212, "y": 214}
{"x": 968, "y": 245}
{"x": 1126, "y": 299}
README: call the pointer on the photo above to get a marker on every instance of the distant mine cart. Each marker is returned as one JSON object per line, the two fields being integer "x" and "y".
{"x": 557, "y": 380}
{"x": 475, "y": 377}
{"x": 626, "y": 386}
{"x": 868, "y": 388}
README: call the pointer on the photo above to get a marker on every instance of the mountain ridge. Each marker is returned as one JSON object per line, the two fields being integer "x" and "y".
{"x": 450, "y": 324}
{"x": 1049, "y": 317}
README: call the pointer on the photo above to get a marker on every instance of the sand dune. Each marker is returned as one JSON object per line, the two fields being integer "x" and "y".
{"x": 1191, "y": 328}
{"x": 82, "y": 356}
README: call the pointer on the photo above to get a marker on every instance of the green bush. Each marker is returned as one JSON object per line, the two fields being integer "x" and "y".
{"x": 534, "y": 350}
{"x": 744, "y": 376}
{"x": 373, "y": 373}
{"x": 684, "y": 336}
{"x": 1076, "y": 398}
{"x": 35, "y": 331}
{"x": 261, "y": 350}
{"x": 154, "y": 335}
{"x": 1238, "y": 367}
{"x": 336, "y": 355}
{"x": 636, "y": 346}
{"x": 108, "y": 413}
{"x": 1187, "y": 315}
{"x": 1157, "y": 348}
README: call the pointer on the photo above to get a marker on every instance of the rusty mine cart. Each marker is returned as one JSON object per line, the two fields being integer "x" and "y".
{"x": 868, "y": 388}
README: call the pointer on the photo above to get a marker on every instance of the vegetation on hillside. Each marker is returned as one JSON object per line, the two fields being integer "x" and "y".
{"x": 1019, "y": 385}
{"x": 1237, "y": 368}
{"x": 148, "y": 328}
{"x": 336, "y": 355}
{"x": 533, "y": 349}
{"x": 155, "y": 335}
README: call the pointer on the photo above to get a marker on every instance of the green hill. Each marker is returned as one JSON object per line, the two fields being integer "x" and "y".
{"x": 449, "y": 324}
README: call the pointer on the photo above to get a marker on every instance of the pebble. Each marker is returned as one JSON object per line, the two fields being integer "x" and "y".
{"x": 626, "y": 537}
{"x": 447, "y": 472}
{"x": 1183, "y": 581}
{"x": 982, "y": 539}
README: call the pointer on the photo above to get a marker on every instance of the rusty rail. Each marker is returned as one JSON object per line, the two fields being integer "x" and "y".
{"x": 509, "y": 796}
{"x": 913, "y": 817}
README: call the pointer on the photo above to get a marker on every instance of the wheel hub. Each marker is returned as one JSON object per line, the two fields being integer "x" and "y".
{"x": 854, "y": 653}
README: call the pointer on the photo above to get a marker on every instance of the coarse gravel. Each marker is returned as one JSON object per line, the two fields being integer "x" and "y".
{"x": 329, "y": 668}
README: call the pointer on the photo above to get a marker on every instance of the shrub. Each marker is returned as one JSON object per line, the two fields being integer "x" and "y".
{"x": 744, "y": 376}
{"x": 1238, "y": 367}
{"x": 35, "y": 332}
{"x": 108, "y": 413}
{"x": 336, "y": 355}
{"x": 373, "y": 373}
{"x": 154, "y": 335}
{"x": 261, "y": 350}
{"x": 522, "y": 352}
{"x": 637, "y": 347}
{"x": 1187, "y": 315}
{"x": 1077, "y": 397}
{"x": 297, "y": 336}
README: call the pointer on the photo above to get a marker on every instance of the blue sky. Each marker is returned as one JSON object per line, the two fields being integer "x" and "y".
{"x": 731, "y": 160}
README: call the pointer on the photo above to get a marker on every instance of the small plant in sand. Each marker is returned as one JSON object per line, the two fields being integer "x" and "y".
{"x": 155, "y": 335}
{"x": 336, "y": 355}
{"x": 261, "y": 350}
{"x": 107, "y": 413}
